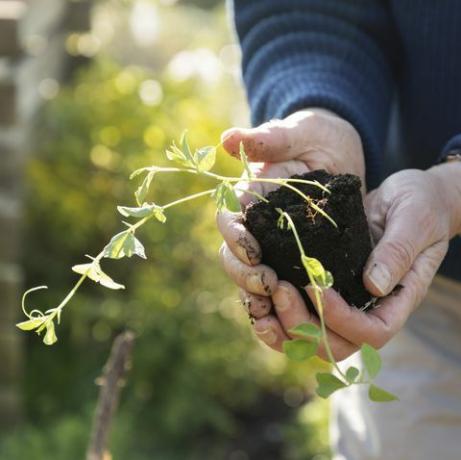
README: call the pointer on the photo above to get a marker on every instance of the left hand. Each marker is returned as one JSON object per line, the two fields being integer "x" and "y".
{"x": 413, "y": 214}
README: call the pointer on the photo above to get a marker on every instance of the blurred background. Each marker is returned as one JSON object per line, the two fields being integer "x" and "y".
{"x": 89, "y": 91}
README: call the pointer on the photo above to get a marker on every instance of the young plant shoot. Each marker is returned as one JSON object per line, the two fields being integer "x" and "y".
{"x": 125, "y": 244}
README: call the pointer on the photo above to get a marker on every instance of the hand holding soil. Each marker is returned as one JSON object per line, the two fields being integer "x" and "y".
{"x": 411, "y": 215}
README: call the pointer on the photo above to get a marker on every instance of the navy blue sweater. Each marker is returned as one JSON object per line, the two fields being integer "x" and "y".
{"x": 364, "y": 60}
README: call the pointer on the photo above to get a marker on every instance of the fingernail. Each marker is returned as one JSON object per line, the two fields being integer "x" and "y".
{"x": 267, "y": 335}
{"x": 254, "y": 284}
{"x": 227, "y": 134}
{"x": 242, "y": 254}
{"x": 282, "y": 299}
{"x": 380, "y": 276}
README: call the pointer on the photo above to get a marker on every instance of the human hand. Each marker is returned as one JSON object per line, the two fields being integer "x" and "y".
{"x": 412, "y": 214}
{"x": 306, "y": 140}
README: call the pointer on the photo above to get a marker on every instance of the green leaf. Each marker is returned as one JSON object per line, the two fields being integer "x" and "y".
{"x": 371, "y": 360}
{"x": 205, "y": 158}
{"x": 50, "y": 335}
{"x": 377, "y": 394}
{"x": 143, "y": 211}
{"x": 186, "y": 149}
{"x": 328, "y": 384}
{"x": 143, "y": 189}
{"x": 322, "y": 277}
{"x": 124, "y": 244}
{"x": 299, "y": 350}
{"x": 226, "y": 198}
{"x": 307, "y": 330}
{"x": 351, "y": 374}
{"x": 31, "y": 324}
{"x": 244, "y": 159}
{"x": 94, "y": 272}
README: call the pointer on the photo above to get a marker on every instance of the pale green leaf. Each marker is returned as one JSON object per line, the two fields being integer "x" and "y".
{"x": 143, "y": 211}
{"x": 94, "y": 272}
{"x": 307, "y": 330}
{"x": 351, "y": 374}
{"x": 281, "y": 221}
{"x": 186, "y": 149}
{"x": 226, "y": 198}
{"x": 205, "y": 158}
{"x": 31, "y": 324}
{"x": 50, "y": 334}
{"x": 244, "y": 159}
{"x": 322, "y": 277}
{"x": 299, "y": 350}
{"x": 377, "y": 394}
{"x": 371, "y": 360}
{"x": 124, "y": 244}
{"x": 143, "y": 189}
{"x": 328, "y": 384}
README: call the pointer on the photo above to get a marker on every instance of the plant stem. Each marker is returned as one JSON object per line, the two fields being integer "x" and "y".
{"x": 318, "y": 298}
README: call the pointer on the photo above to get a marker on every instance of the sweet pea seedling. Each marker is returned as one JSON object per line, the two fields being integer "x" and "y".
{"x": 125, "y": 244}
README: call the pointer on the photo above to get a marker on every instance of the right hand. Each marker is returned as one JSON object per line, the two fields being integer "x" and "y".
{"x": 304, "y": 141}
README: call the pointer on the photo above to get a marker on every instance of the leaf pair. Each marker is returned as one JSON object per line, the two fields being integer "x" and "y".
{"x": 143, "y": 211}
{"x": 322, "y": 277}
{"x": 203, "y": 159}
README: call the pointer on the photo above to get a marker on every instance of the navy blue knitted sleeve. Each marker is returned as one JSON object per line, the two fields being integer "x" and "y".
{"x": 336, "y": 54}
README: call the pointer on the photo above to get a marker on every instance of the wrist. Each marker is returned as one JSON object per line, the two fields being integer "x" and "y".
{"x": 449, "y": 178}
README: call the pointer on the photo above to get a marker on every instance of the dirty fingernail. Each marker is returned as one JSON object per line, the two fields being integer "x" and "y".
{"x": 254, "y": 284}
{"x": 242, "y": 254}
{"x": 267, "y": 336}
{"x": 282, "y": 298}
{"x": 380, "y": 276}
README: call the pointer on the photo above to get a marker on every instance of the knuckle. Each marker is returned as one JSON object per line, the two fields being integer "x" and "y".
{"x": 402, "y": 252}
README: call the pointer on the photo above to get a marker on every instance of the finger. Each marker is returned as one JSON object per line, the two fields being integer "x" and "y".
{"x": 275, "y": 140}
{"x": 257, "y": 306}
{"x": 406, "y": 234}
{"x": 379, "y": 325}
{"x": 239, "y": 240}
{"x": 292, "y": 311}
{"x": 269, "y": 331}
{"x": 260, "y": 279}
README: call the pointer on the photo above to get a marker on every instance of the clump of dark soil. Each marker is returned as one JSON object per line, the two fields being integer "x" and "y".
{"x": 343, "y": 250}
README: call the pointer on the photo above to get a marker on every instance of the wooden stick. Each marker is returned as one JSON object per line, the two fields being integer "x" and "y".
{"x": 111, "y": 382}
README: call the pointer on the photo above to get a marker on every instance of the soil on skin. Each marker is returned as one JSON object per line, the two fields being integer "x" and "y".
{"x": 343, "y": 250}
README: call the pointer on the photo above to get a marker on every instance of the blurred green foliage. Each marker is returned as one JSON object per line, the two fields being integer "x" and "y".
{"x": 201, "y": 386}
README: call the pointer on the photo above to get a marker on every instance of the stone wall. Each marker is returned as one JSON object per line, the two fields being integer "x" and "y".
{"x": 33, "y": 61}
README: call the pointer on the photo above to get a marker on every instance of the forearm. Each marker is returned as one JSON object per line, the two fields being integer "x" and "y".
{"x": 449, "y": 174}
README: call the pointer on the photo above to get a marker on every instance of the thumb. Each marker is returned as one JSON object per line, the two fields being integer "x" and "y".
{"x": 403, "y": 240}
{"x": 275, "y": 140}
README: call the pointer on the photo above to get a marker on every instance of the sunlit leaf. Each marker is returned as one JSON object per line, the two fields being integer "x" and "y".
{"x": 186, "y": 149}
{"x": 377, "y": 394}
{"x": 371, "y": 360}
{"x": 307, "y": 330}
{"x": 322, "y": 277}
{"x": 143, "y": 211}
{"x": 124, "y": 244}
{"x": 94, "y": 272}
{"x": 299, "y": 350}
{"x": 328, "y": 384}
{"x": 205, "y": 158}
{"x": 226, "y": 197}
{"x": 50, "y": 334}
{"x": 31, "y": 324}
{"x": 143, "y": 189}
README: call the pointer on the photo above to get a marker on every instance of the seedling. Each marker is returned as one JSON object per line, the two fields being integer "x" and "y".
{"x": 125, "y": 244}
